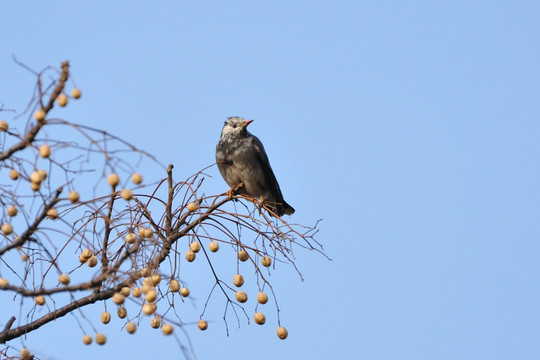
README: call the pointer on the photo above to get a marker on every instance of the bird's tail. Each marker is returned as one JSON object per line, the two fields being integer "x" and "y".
{"x": 287, "y": 209}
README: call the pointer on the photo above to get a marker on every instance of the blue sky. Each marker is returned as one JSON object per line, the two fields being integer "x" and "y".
{"x": 411, "y": 128}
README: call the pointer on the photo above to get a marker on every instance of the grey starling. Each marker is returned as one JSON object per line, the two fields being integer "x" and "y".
{"x": 241, "y": 159}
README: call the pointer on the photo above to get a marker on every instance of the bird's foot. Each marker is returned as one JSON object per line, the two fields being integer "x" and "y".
{"x": 231, "y": 191}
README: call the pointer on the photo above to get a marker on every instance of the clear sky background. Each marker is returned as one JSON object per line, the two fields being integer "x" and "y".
{"x": 412, "y": 128}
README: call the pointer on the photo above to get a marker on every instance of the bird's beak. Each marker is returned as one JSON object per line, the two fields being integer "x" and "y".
{"x": 247, "y": 122}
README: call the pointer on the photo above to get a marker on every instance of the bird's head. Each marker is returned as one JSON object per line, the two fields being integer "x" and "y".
{"x": 235, "y": 127}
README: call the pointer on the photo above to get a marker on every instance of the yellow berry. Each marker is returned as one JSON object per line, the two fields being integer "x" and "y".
{"x": 43, "y": 174}
{"x": 213, "y": 246}
{"x": 190, "y": 255}
{"x": 122, "y": 312}
{"x": 39, "y": 115}
{"x": 266, "y": 261}
{"x": 149, "y": 308}
{"x": 238, "y": 280}
{"x": 192, "y": 206}
{"x": 24, "y": 257}
{"x": 45, "y": 151}
{"x": 12, "y": 211}
{"x": 25, "y": 354}
{"x": 241, "y": 296}
{"x": 36, "y": 177}
{"x": 282, "y": 333}
{"x": 3, "y": 125}
{"x": 13, "y": 174}
{"x": 126, "y": 194}
{"x": 195, "y": 246}
{"x": 174, "y": 285}
{"x": 203, "y": 325}
{"x": 167, "y": 329}
{"x": 62, "y": 100}
{"x": 92, "y": 261}
{"x": 136, "y": 292}
{"x": 184, "y": 292}
{"x": 86, "y": 254}
{"x": 73, "y": 197}
{"x": 101, "y": 339}
{"x": 118, "y": 298}
{"x": 131, "y": 238}
{"x": 3, "y": 282}
{"x": 262, "y": 298}
{"x": 146, "y": 288}
{"x": 105, "y": 317}
{"x": 113, "y": 179}
{"x": 40, "y": 300}
{"x": 243, "y": 255}
{"x": 7, "y": 229}
{"x": 155, "y": 279}
{"x": 136, "y": 178}
{"x": 35, "y": 186}
{"x": 87, "y": 339}
{"x": 76, "y": 93}
{"x": 125, "y": 291}
{"x": 145, "y": 272}
{"x": 131, "y": 327}
{"x": 155, "y": 322}
{"x": 259, "y": 318}
{"x": 63, "y": 279}
{"x": 151, "y": 295}
{"x": 52, "y": 213}
{"x": 146, "y": 232}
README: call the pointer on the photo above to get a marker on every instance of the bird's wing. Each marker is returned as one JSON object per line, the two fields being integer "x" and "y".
{"x": 270, "y": 178}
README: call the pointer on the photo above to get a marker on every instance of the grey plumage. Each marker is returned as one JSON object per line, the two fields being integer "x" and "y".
{"x": 241, "y": 158}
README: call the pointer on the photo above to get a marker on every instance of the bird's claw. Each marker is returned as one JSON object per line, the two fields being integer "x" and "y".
{"x": 231, "y": 191}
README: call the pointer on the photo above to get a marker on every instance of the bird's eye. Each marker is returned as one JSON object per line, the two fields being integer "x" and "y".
{"x": 234, "y": 125}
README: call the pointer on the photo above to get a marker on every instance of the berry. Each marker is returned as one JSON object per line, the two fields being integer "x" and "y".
{"x": 87, "y": 339}
{"x": 266, "y": 261}
{"x": 101, "y": 339}
{"x": 174, "y": 286}
{"x": 105, "y": 317}
{"x": 76, "y": 93}
{"x": 238, "y": 280}
{"x": 167, "y": 329}
{"x": 195, "y": 246}
{"x": 192, "y": 206}
{"x": 62, "y": 100}
{"x": 190, "y": 255}
{"x": 63, "y": 279}
{"x": 40, "y": 300}
{"x": 39, "y": 115}
{"x": 259, "y": 318}
{"x": 73, "y": 197}
{"x": 131, "y": 327}
{"x": 12, "y": 211}
{"x": 282, "y": 333}
{"x": 203, "y": 325}
{"x": 213, "y": 246}
{"x": 13, "y": 174}
{"x": 126, "y": 194}
{"x": 243, "y": 255}
{"x": 184, "y": 292}
{"x": 136, "y": 178}
{"x": 113, "y": 179}
{"x": 241, "y": 296}
{"x": 262, "y": 298}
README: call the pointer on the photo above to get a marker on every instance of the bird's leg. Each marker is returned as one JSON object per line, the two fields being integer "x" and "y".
{"x": 231, "y": 191}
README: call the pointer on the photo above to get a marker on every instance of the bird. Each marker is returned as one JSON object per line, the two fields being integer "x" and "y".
{"x": 244, "y": 165}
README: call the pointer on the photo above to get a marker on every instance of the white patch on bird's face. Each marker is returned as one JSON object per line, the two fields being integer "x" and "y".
{"x": 234, "y": 126}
